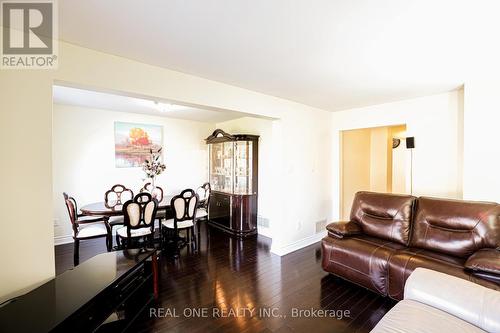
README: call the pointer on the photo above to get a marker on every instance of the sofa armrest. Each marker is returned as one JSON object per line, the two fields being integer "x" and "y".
{"x": 343, "y": 229}
{"x": 463, "y": 299}
{"x": 485, "y": 260}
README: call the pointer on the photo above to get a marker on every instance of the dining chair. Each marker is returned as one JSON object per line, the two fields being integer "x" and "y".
{"x": 117, "y": 196}
{"x": 86, "y": 227}
{"x": 138, "y": 215}
{"x": 204, "y": 196}
{"x": 158, "y": 195}
{"x": 184, "y": 208}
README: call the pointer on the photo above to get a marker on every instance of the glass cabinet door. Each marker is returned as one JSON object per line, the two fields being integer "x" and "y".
{"x": 221, "y": 166}
{"x": 243, "y": 167}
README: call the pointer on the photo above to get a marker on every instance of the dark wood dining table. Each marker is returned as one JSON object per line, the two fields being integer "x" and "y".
{"x": 113, "y": 209}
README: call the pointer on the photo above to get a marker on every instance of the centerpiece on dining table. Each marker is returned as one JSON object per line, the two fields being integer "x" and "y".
{"x": 153, "y": 167}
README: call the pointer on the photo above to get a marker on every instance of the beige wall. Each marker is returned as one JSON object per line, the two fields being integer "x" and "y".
{"x": 400, "y": 168}
{"x": 367, "y": 163}
{"x": 27, "y": 236}
{"x": 380, "y": 156}
{"x": 83, "y": 161}
{"x": 355, "y": 166}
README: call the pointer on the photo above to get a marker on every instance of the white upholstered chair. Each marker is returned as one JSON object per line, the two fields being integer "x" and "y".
{"x": 139, "y": 216}
{"x": 86, "y": 227}
{"x": 184, "y": 207}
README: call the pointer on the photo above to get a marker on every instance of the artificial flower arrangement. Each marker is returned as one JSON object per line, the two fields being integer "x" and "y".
{"x": 153, "y": 166}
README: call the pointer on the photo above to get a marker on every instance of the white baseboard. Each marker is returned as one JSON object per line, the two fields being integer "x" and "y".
{"x": 58, "y": 240}
{"x": 264, "y": 232}
{"x": 284, "y": 250}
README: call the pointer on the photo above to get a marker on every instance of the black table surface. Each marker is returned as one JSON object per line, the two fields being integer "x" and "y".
{"x": 47, "y": 306}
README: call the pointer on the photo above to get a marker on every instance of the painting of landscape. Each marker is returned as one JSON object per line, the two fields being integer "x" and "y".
{"x": 133, "y": 143}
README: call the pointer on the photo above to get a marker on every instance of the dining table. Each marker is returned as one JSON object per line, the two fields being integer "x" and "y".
{"x": 113, "y": 208}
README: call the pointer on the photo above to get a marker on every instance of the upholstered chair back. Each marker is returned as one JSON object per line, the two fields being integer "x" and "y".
{"x": 72, "y": 211}
{"x": 184, "y": 206}
{"x": 140, "y": 212}
{"x": 204, "y": 194}
{"x": 71, "y": 207}
{"x": 117, "y": 195}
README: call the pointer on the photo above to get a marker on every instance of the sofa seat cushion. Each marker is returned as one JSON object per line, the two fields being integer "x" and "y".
{"x": 404, "y": 262}
{"x": 410, "y": 316}
{"x": 91, "y": 230}
{"x": 141, "y": 232}
{"x": 361, "y": 259}
{"x": 170, "y": 224}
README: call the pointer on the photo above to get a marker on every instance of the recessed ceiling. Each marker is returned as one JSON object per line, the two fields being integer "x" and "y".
{"x": 332, "y": 54}
{"x": 107, "y": 101}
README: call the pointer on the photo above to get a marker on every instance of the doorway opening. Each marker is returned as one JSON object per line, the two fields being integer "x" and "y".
{"x": 373, "y": 159}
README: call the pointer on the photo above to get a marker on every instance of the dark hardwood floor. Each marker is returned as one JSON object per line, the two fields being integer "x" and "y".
{"x": 229, "y": 274}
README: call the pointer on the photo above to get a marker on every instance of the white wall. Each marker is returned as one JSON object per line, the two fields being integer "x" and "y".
{"x": 301, "y": 151}
{"x": 294, "y": 168}
{"x": 433, "y": 121}
{"x": 305, "y": 154}
{"x": 84, "y": 164}
{"x": 481, "y": 145}
{"x": 263, "y": 128}
{"x": 300, "y": 181}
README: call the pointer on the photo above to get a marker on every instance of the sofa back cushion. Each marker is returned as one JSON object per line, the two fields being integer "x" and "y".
{"x": 383, "y": 215}
{"x": 463, "y": 299}
{"x": 455, "y": 227}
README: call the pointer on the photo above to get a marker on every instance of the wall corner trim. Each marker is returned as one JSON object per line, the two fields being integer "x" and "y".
{"x": 284, "y": 250}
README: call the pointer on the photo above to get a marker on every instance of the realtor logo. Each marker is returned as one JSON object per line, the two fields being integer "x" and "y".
{"x": 29, "y": 39}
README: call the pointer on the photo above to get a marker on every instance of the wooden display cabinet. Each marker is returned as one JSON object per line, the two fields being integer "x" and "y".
{"x": 233, "y": 176}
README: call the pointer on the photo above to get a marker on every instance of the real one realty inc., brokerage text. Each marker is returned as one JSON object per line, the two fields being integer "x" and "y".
{"x": 263, "y": 312}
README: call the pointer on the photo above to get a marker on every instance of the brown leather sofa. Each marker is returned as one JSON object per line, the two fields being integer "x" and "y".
{"x": 388, "y": 236}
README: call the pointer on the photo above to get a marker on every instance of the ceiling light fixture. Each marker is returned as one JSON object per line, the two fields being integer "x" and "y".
{"x": 162, "y": 107}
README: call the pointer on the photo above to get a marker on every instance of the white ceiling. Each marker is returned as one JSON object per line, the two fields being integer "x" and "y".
{"x": 333, "y": 54}
{"x": 116, "y": 102}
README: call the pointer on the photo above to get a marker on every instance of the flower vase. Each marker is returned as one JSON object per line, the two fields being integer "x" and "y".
{"x": 153, "y": 187}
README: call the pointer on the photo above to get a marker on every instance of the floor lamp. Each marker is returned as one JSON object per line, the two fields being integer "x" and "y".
{"x": 410, "y": 144}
